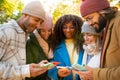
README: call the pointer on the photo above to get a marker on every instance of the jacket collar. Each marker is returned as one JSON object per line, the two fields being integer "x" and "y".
{"x": 62, "y": 51}
{"x": 16, "y": 26}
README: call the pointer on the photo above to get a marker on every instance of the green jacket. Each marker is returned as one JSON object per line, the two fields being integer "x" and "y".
{"x": 35, "y": 54}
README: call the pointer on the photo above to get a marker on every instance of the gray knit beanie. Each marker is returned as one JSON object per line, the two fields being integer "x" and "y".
{"x": 36, "y": 9}
{"x": 88, "y": 29}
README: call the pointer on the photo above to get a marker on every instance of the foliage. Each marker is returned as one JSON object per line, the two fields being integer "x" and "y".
{"x": 72, "y": 7}
{"x": 115, "y": 3}
{"x": 8, "y": 9}
{"x": 66, "y": 7}
{"x": 12, "y": 8}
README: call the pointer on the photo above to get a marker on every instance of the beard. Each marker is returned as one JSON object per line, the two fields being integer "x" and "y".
{"x": 102, "y": 21}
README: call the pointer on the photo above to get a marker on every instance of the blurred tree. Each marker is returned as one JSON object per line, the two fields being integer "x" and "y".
{"x": 66, "y": 7}
{"x": 13, "y": 8}
{"x": 115, "y": 3}
{"x": 10, "y": 9}
{"x": 72, "y": 7}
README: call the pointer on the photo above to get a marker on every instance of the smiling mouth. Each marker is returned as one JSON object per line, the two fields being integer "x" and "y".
{"x": 68, "y": 34}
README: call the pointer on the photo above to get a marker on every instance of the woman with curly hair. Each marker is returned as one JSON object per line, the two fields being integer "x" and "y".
{"x": 67, "y": 46}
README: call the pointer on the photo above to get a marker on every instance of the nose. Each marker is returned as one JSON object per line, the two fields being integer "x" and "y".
{"x": 47, "y": 34}
{"x": 38, "y": 25}
{"x": 68, "y": 29}
{"x": 90, "y": 22}
{"x": 85, "y": 37}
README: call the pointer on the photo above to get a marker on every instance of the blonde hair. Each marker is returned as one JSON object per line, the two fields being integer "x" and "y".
{"x": 98, "y": 44}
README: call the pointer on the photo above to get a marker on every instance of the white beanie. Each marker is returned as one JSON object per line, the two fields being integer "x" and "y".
{"x": 88, "y": 29}
{"x": 36, "y": 9}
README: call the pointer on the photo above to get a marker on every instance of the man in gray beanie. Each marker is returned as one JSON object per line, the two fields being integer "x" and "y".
{"x": 101, "y": 16}
{"x": 13, "y": 36}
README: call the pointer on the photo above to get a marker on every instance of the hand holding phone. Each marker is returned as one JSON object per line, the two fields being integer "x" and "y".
{"x": 63, "y": 71}
{"x": 50, "y": 65}
{"x": 78, "y": 67}
{"x": 47, "y": 65}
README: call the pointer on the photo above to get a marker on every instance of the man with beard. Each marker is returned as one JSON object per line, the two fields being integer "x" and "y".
{"x": 100, "y": 15}
{"x": 13, "y": 36}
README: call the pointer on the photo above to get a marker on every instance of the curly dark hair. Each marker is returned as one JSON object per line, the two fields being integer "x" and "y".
{"x": 58, "y": 35}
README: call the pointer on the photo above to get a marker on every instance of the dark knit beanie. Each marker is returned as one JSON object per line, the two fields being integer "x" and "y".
{"x": 90, "y": 6}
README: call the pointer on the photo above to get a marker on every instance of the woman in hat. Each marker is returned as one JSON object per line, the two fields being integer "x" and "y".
{"x": 38, "y": 46}
{"x": 91, "y": 46}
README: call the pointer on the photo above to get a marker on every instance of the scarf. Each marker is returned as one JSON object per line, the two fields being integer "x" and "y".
{"x": 89, "y": 49}
{"x": 94, "y": 57}
{"x": 44, "y": 45}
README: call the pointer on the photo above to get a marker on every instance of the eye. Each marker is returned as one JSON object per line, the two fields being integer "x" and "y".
{"x": 88, "y": 19}
{"x": 64, "y": 27}
{"x": 36, "y": 20}
{"x": 90, "y": 34}
{"x": 72, "y": 27}
{"x": 42, "y": 30}
{"x": 50, "y": 30}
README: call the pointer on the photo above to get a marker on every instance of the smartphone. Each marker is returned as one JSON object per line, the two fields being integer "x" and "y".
{"x": 78, "y": 67}
{"x": 60, "y": 67}
{"x": 47, "y": 65}
{"x": 56, "y": 63}
{"x": 68, "y": 67}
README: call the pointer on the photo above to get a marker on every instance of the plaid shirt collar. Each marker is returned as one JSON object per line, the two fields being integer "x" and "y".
{"x": 15, "y": 24}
